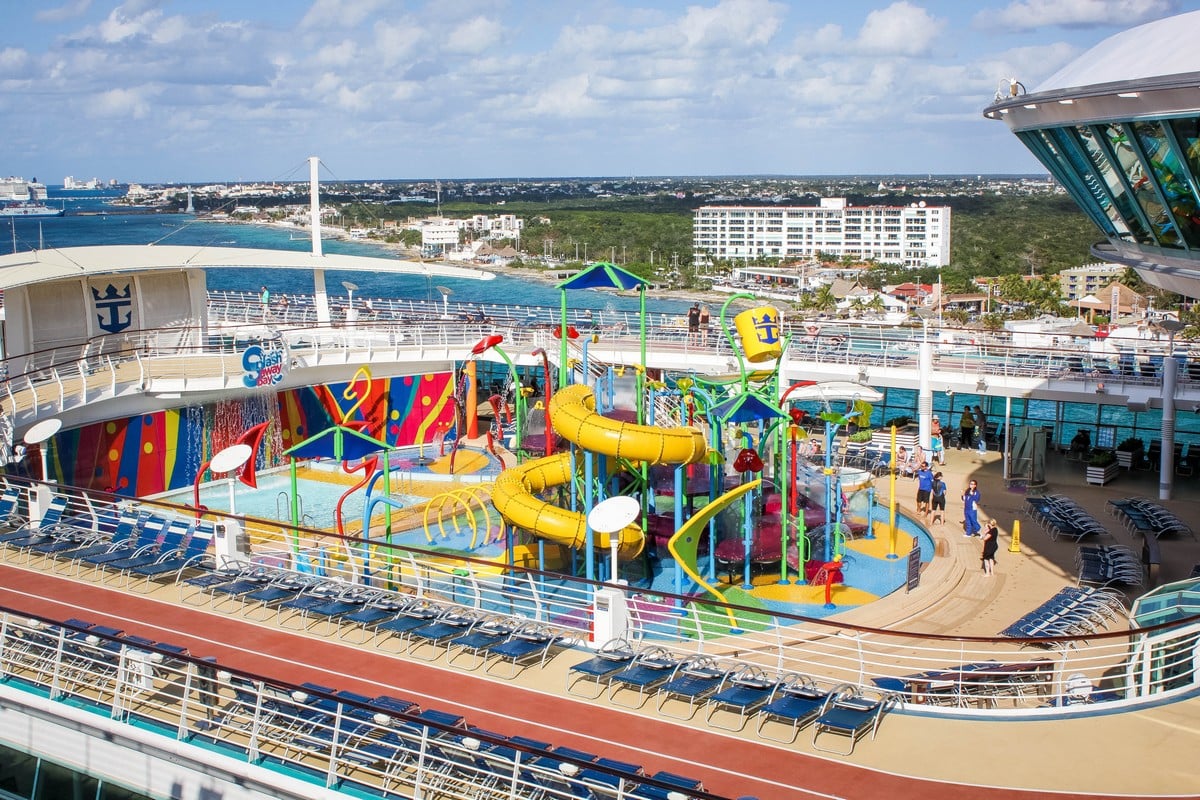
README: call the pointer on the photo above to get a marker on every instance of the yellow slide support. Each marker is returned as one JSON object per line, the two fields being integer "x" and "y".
{"x": 573, "y": 415}
{"x": 686, "y": 541}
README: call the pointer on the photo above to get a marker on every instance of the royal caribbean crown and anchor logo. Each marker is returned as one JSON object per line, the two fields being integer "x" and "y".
{"x": 767, "y": 326}
{"x": 114, "y": 308}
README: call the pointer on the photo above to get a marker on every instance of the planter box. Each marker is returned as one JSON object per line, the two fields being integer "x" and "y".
{"x": 1127, "y": 458}
{"x": 1102, "y": 475}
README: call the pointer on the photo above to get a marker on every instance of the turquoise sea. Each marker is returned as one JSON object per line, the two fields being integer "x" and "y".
{"x": 86, "y": 223}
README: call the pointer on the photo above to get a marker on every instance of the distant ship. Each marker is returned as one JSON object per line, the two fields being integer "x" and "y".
{"x": 29, "y": 209}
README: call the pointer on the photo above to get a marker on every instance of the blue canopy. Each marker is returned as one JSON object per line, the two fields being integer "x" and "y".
{"x": 340, "y": 443}
{"x": 746, "y": 407}
{"x": 603, "y": 275}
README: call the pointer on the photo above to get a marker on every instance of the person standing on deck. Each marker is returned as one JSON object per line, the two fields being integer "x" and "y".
{"x": 693, "y": 322}
{"x": 266, "y": 301}
{"x": 970, "y": 500}
{"x": 924, "y": 488}
{"x": 991, "y": 543}
{"x": 703, "y": 324}
{"x": 981, "y": 423}
{"x": 937, "y": 500}
{"x": 966, "y": 428}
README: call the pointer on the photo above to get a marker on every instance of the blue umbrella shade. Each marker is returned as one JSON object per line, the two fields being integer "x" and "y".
{"x": 603, "y": 275}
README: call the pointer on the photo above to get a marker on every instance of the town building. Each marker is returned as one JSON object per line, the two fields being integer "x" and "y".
{"x": 1079, "y": 282}
{"x": 916, "y": 235}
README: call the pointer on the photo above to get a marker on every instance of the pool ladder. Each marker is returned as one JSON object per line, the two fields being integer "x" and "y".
{"x": 283, "y": 507}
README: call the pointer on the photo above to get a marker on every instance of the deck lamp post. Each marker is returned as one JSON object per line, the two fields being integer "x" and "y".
{"x": 492, "y": 342}
{"x": 351, "y": 314}
{"x": 445, "y": 291}
{"x": 227, "y": 460}
{"x": 39, "y": 434}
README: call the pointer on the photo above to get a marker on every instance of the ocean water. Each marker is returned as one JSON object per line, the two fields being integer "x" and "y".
{"x": 86, "y": 224}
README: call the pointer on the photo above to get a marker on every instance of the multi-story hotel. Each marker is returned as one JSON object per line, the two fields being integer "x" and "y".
{"x": 917, "y": 235}
{"x": 1079, "y": 282}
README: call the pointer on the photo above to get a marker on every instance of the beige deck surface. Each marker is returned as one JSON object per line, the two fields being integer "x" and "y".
{"x": 1146, "y": 753}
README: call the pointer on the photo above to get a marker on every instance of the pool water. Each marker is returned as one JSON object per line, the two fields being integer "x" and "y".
{"x": 272, "y": 499}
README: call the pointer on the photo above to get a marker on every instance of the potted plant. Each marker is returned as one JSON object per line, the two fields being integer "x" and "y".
{"x": 856, "y": 443}
{"x": 1129, "y": 452}
{"x": 1102, "y": 467}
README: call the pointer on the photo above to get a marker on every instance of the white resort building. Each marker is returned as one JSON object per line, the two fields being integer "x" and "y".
{"x": 917, "y": 235}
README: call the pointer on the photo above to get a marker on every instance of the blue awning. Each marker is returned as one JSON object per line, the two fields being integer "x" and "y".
{"x": 340, "y": 443}
{"x": 603, "y": 276}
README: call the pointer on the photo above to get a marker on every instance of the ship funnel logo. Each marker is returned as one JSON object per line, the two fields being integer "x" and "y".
{"x": 767, "y": 327}
{"x": 110, "y": 306}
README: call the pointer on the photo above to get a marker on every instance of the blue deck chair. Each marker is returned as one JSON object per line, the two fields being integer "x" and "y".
{"x": 794, "y": 702}
{"x": 441, "y": 631}
{"x": 529, "y": 642}
{"x": 741, "y": 693}
{"x": 293, "y": 612}
{"x": 676, "y": 786}
{"x": 850, "y": 713}
{"x": 411, "y": 617}
{"x": 11, "y": 516}
{"x": 149, "y": 530}
{"x": 104, "y": 526}
{"x": 692, "y": 681}
{"x": 612, "y": 657}
{"x": 31, "y": 533}
{"x": 470, "y": 650}
{"x": 202, "y": 586}
{"x": 286, "y": 586}
{"x": 652, "y": 668}
{"x": 373, "y": 612}
{"x": 348, "y": 601}
{"x": 174, "y": 563}
{"x": 169, "y": 545}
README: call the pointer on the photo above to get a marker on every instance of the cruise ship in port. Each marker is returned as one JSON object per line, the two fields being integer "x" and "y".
{"x": 330, "y": 550}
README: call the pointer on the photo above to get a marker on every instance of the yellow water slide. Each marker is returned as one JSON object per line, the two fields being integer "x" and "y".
{"x": 573, "y": 415}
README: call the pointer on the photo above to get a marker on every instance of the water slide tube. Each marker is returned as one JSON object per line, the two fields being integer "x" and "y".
{"x": 573, "y": 415}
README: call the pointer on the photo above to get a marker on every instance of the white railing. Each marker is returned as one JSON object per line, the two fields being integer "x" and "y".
{"x": 1120, "y": 666}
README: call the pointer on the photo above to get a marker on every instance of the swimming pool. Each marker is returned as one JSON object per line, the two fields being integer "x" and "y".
{"x": 272, "y": 499}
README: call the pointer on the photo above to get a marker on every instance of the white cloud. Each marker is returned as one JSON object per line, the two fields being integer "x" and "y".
{"x": 64, "y": 12}
{"x": 732, "y": 23}
{"x": 122, "y": 103}
{"x": 1026, "y": 15}
{"x": 13, "y": 60}
{"x": 475, "y": 36}
{"x": 900, "y": 29}
{"x": 340, "y": 14}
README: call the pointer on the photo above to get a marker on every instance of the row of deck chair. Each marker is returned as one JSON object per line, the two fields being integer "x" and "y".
{"x": 1147, "y": 518}
{"x": 979, "y": 683}
{"x": 397, "y": 739}
{"x": 132, "y": 548}
{"x": 77, "y": 656}
{"x": 1073, "y": 611}
{"x": 1063, "y": 518}
{"x": 1112, "y": 565}
{"x": 396, "y": 622}
{"x": 728, "y": 695}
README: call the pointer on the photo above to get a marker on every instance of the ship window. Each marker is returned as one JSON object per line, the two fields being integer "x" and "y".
{"x": 1126, "y": 218}
{"x": 1144, "y": 190}
{"x": 56, "y": 782}
{"x": 1171, "y": 175}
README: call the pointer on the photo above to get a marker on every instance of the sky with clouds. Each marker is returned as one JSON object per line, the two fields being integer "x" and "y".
{"x": 153, "y": 90}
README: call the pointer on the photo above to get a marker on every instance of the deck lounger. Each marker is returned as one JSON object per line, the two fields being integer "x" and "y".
{"x": 11, "y": 516}
{"x": 850, "y": 713}
{"x": 31, "y": 532}
{"x": 652, "y": 668}
{"x": 175, "y": 563}
{"x": 691, "y": 682}
{"x": 171, "y": 545}
{"x": 794, "y": 702}
{"x": 73, "y": 537}
{"x": 202, "y": 586}
{"x": 352, "y": 599}
{"x": 470, "y": 650}
{"x": 230, "y": 592}
{"x": 128, "y": 529}
{"x": 740, "y": 694}
{"x": 260, "y": 603}
{"x": 679, "y": 786}
{"x": 150, "y": 529}
{"x": 439, "y": 632}
{"x": 411, "y": 617}
{"x": 613, "y": 656}
{"x": 293, "y": 612}
{"x": 362, "y": 622}
{"x": 530, "y": 642}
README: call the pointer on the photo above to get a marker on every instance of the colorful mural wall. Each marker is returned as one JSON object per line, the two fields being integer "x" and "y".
{"x": 157, "y": 452}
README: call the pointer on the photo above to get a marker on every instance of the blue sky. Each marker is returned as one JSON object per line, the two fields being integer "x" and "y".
{"x": 152, "y": 90}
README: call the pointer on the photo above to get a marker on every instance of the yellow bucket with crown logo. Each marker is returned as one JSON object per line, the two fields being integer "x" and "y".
{"x": 760, "y": 332}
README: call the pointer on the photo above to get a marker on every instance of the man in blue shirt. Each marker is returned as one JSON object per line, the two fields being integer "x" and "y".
{"x": 924, "y": 488}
